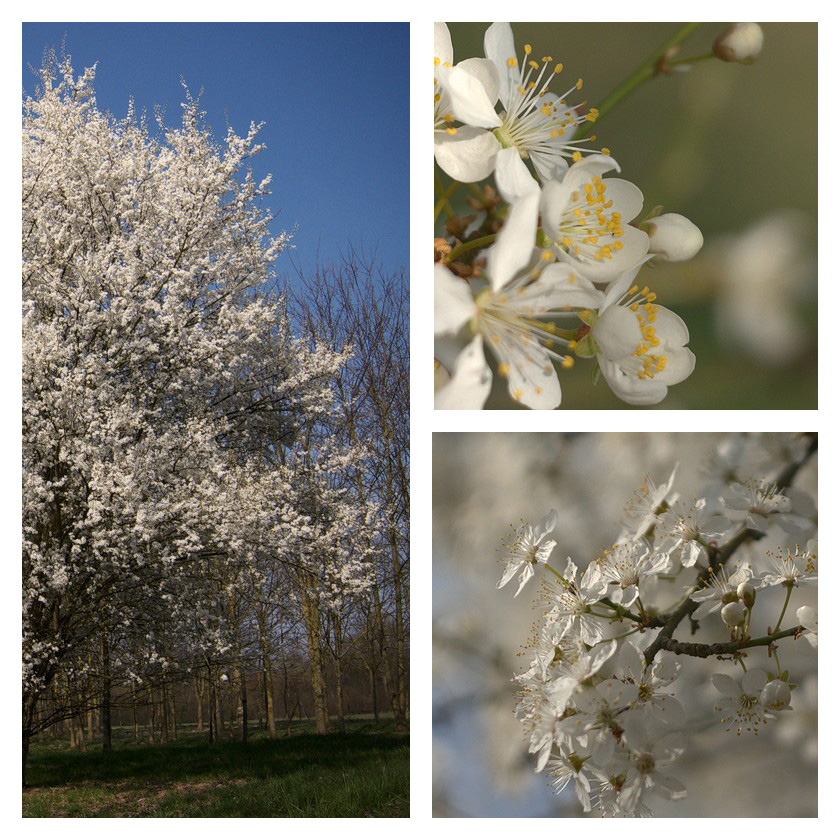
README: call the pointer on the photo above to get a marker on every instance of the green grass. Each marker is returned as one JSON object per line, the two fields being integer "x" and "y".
{"x": 363, "y": 773}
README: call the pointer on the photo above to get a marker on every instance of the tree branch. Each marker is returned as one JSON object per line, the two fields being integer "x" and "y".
{"x": 718, "y": 556}
{"x": 722, "y": 648}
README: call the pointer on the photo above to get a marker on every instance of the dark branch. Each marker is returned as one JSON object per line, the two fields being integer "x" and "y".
{"x": 723, "y": 648}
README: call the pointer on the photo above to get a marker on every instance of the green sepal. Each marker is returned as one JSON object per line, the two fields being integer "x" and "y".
{"x": 585, "y": 348}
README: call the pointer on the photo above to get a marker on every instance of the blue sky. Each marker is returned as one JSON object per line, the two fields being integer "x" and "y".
{"x": 334, "y": 99}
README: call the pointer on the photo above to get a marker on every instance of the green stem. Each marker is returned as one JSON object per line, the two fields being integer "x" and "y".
{"x": 445, "y": 194}
{"x": 741, "y": 663}
{"x": 555, "y": 572}
{"x": 647, "y": 70}
{"x": 784, "y": 607}
{"x": 776, "y": 657}
{"x": 469, "y": 246}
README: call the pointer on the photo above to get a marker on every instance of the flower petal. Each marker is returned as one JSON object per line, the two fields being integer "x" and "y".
{"x": 469, "y": 386}
{"x": 726, "y": 685}
{"x": 467, "y": 156}
{"x": 499, "y": 47}
{"x": 468, "y": 97}
{"x": 443, "y": 43}
{"x": 454, "y": 304}
{"x": 513, "y": 179}
{"x": 632, "y": 389}
{"x": 487, "y": 73}
{"x": 515, "y": 244}
{"x": 754, "y": 680}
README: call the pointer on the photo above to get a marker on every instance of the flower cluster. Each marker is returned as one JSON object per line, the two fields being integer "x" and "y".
{"x": 558, "y": 281}
{"x": 599, "y": 701}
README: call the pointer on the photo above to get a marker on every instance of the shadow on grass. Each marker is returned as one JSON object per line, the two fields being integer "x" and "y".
{"x": 363, "y": 772}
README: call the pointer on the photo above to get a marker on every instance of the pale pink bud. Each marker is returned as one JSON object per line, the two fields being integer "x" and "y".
{"x": 740, "y": 42}
{"x": 673, "y": 237}
{"x": 733, "y": 614}
{"x": 776, "y": 695}
{"x": 746, "y": 592}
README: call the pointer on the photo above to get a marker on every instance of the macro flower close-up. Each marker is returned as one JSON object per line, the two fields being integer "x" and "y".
{"x": 694, "y": 214}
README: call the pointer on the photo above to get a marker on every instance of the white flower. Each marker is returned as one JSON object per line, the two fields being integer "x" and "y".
{"x": 790, "y": 568}
{"x": 649, "y": 755}
{"x": 741, "y": 705}
{"x": 807, "y": 617}
{"x": 562, "y": 769}
{"x": 647, "y": 505}
{"x": 528, "y": 548}
{"x": 623, "y": 567}
{"x": 570, "y": 603}
{"x": 535, "y": 123}
{"x": 687, "y": 532}
{"x": 673, "y": 238}
{"x": 600, "y": 710}
{"x": 740, "y": 42}
{"x": 568, "y": 676}
{"x": 463, "y": 93}
{"x": 759, "y": 505}
{"x": 587, "y": 219}
{"x": 509, "y": 311}
{"x": 608, "y": 786}
{"x": 640, "y": 346}
{"x": 649, "y": 683}
{"x": 721, "y": 588}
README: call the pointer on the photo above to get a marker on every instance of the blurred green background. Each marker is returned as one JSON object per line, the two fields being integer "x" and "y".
{"x": 733, "y": 148}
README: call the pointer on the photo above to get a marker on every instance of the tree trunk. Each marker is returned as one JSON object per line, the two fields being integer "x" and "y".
{"x": 106, "y": 693}
{"x": 339, "y": 686}
{"x": 214, "y": 721}
{"x": 319, "y": 686}
{"x": 199, "y": 704}
{"x": 401, "y": 705}
{"x": 80, "y": 735}
{"x": 373, "y": 701}
{"x": 164, "y": 717}
{"x": 169, "y": 696}
{"x": 25, "y": 754}
{"x": 151, "y": 709}
{"x": 268, "y": 687}
{"x": 134, "y": 712}
{"x": 243, "y": 706}
{"x": 388, "y": 683}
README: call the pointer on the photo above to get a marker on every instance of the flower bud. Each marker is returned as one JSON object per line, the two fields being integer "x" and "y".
{"x": 673, "y": 237}
{"x": 733, "y": 614}
{"x": 776, "y": 695}
{"x": 746, "y": 592}
{"x": 729, "y": 597}
{"x": 740, "y": 42}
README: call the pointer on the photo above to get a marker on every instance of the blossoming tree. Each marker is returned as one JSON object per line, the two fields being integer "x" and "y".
{"x": 169, "y": 412}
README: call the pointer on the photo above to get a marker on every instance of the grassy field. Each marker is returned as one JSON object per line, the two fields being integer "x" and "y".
{"x": 363, "y": 773}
